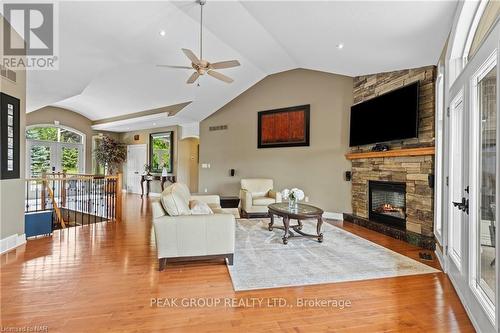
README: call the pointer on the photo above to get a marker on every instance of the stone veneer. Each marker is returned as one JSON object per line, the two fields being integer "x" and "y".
{"x": 413, "y": 170}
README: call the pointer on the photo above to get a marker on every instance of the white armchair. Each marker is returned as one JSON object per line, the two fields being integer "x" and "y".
{"x": 256, "y": 195}
{"x": 181, "y": 236}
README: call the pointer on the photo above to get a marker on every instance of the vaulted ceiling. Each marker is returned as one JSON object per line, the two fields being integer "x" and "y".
{"x": 108, "y": 51}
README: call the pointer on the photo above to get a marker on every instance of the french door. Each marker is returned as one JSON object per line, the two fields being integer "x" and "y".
{"x": 44, "y": 156}
{"x": 473, "y": 177}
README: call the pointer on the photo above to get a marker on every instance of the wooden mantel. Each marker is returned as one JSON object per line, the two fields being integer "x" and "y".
{"x": 392, "y": 153}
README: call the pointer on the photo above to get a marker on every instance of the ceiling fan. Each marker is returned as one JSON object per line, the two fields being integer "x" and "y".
{"x": 200, "y": 65}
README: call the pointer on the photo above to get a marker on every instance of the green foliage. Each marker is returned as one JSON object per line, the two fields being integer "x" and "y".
{"x": 70, "y": 160}
{"x": 42, "y": 133}
{"x": 161, "y": 153}
{"x": 110, "y": 153}
{"x": 40, "y": 160}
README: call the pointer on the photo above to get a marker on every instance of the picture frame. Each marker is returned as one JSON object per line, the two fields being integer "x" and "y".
{"x": 285, "y": 127}
{"x": 9, "y": 137}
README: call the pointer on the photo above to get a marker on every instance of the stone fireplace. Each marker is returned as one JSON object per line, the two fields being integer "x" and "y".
{"x": 387, "y": 203}
{"x": 406, "y": 170}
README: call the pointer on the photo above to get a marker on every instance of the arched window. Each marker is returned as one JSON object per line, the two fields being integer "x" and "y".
{"x": 54, "y": 148}
{"x": 474, "y": 21}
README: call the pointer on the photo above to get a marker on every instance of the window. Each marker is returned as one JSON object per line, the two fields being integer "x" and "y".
{"x": 54, "y": 148}
{"x": 161, "y": 152}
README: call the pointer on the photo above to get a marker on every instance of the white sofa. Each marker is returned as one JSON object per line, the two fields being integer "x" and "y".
{"x": 182, "y": 236}
{"x": 255, "y": 195}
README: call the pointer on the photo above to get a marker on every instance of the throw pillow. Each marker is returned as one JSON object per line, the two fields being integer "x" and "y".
{"x": 199, "y": 208}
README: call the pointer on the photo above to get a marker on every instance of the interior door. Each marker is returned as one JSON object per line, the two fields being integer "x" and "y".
{"x": 136, "y": 159}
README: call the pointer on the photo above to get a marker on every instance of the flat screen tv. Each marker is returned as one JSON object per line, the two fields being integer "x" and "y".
{"x": 388, "y": 117}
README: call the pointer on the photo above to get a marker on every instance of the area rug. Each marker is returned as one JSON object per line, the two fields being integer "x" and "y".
{"x": 262, "y": 261}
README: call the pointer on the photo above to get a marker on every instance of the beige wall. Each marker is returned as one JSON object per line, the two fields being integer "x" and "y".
{"x": 128, "y": 139}
{"x": 12, "y": 190}
{"x": 50, "y": 114}
{"x": 317, "y": 169}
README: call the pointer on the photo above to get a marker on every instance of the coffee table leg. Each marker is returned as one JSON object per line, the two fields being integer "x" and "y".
{"x": 318, "y": 229}
{"x": 286, "y": 224}
{"x": 300, "y": 224}
{"x": 271, "y": 215}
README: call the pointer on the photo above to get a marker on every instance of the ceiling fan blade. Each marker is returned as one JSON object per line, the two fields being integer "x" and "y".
{"x": 194, "y": 59}
{"x": 220, "y": 76}
{"x": 225, "y": 64}
{"x": 193, "y": 77}
{"x": 181, "y": 67}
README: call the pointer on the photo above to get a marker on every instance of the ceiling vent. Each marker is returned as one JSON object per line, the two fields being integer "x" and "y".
{"x": 7, "y": 73}
{"x": 217, "y": 128}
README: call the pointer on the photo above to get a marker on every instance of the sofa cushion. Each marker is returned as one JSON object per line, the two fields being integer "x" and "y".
{"x": 263, "y": 201}
{"x": 199, "y": 208}
{"x": 175, "y": 200}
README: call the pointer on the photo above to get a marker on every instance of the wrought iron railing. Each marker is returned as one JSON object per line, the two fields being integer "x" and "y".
{"x": 75, "y": 199}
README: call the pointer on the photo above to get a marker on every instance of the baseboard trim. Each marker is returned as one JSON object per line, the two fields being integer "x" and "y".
{"x": 333, "y": 216}
{"x": 464, "y": 304}
{"x": 439, "y": 256}
{"x": 11, "y": 242}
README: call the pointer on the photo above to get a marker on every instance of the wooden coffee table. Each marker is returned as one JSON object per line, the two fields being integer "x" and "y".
{"x": 302, "y": 212}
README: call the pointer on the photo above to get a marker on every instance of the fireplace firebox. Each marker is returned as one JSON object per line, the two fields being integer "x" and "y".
{"x": 387, "y": 203}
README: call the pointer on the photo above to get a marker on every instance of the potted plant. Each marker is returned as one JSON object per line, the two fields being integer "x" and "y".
{"x": 110, "y": 153}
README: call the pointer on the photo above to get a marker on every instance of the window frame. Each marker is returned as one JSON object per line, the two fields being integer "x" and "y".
{"x": 57, "y": 144}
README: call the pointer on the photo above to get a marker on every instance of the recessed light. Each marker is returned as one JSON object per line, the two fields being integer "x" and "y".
{"x": 340, "y": 46}
{"x": 154, "y": 124}
{"x": 162, "y": 33}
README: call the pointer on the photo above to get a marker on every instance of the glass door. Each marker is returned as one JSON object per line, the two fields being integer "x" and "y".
{"x": 40, "y": 158}
{"x": 70, "y": 158}
{"x": 484, "y": 183}
{"x": 473, "y": 160}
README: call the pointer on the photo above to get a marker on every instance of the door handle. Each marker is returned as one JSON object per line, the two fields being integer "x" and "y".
{"x": 137, "y": 172}
{"x": 463, "y": 205}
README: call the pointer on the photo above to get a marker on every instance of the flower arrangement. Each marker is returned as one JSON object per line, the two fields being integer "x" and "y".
{"x": 293, "y": 196}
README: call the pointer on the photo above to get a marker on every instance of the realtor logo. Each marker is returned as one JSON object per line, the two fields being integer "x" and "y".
{"x": 29, "y": 36}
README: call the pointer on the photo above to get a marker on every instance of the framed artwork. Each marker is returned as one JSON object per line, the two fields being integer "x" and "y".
{"x": 9, "y": 137}
{"x": 287, "y": 127}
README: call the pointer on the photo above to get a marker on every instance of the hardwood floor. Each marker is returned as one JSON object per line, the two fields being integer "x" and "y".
{"x": 102, "y": 278}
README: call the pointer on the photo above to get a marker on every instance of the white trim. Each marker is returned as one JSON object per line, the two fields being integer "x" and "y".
{"x": 11, "y": 242}
{"x": 473, "y": 28}
{"x": 474, "y": 219}
{"x": 440, "y": 258}
{"x": 333, "y": 216}
{"x": 464, "y": 302}
{"x": 438, "y": 158}
{"x": 81, "y": 162}
{"x": 457, "y": 101}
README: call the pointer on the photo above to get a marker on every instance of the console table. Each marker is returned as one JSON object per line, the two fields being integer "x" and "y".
{"x": 149, "y": 178}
